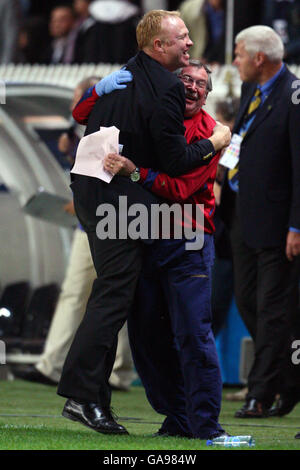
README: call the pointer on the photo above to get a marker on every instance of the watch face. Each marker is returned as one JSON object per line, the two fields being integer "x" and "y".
{"x": 135, "y": 176}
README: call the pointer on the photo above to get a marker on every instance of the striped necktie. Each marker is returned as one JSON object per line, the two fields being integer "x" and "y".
{"x": 254, "y": 104}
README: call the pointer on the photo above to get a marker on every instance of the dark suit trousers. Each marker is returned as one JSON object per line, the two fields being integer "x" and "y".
{"x": 91, "y": 357}
{"x": 175, "y": 355}
{"x": 266, "y": 294}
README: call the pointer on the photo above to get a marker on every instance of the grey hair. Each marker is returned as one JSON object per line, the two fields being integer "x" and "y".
{"x": 197, "y": 63}
{"x": 262, "y": 39}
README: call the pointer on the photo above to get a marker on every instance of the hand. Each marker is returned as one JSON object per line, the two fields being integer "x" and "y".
{"x": 292, "y": 245}
{"x": 221, "y": 137}
{"x": 116, "y": 164}
{"x": 217, "y": 193}
{"x": 69, "y": 208}
{"x": 64, "y": 143}
{"x": 113, "y": 81}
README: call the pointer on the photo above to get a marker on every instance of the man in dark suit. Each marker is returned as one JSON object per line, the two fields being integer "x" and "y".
{"x": 262, "y": 200}
{"x": 149, "y": 114}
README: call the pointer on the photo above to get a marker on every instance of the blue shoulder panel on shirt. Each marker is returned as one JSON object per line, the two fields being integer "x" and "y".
{"x": 87, "y": 94}
{"x": 150, "y": 179}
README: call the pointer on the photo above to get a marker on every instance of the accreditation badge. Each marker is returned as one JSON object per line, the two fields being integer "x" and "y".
{"x": 230, "y": 158}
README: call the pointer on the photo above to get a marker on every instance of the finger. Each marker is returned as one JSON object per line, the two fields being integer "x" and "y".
{"x": 112, "y": 157}
{"x": 108, "y": 165}
{"x": 115, "y": 159}
{"x": 124, "y": 79}
{"x": 108, "y": 162}
{"x": 126, "y": 73}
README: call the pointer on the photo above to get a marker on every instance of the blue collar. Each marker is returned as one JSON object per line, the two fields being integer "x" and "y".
{"x": 267, "y": 87}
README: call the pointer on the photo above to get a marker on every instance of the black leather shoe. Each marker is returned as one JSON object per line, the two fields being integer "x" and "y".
{"x": 285, "y": 404}
{"x": 252, "y": 409}
{"x": 31, "y": 374}
{"x": 91, "y": 415}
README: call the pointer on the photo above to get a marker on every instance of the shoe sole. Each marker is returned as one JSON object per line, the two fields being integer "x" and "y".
{"x": 279, "y": 413}
{"x": 68, "y": 415}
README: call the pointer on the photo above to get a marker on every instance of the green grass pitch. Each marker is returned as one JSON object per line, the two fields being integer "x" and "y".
{"x": 30, "y": 419}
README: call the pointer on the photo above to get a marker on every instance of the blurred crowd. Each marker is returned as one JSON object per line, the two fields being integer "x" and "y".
{"x": 103, "y": 31}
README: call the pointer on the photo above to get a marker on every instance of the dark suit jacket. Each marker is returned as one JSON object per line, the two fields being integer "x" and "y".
{"x": 269, "y": 169}
{"x": 149, "y": 114}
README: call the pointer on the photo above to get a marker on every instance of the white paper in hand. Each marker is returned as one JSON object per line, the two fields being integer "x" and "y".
{"x": 92, "y": 150}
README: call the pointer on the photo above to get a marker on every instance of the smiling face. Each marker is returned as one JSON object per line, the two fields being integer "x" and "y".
{"x": 195, "y": 84}
{"x": 175, "y": 43}
{"x": 245, "y": 63}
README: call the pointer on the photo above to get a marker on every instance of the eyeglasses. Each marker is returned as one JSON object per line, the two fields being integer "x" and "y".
{"x": 190, "y": 81}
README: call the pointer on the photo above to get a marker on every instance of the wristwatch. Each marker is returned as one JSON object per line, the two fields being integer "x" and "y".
{"x": 135, "y": 175}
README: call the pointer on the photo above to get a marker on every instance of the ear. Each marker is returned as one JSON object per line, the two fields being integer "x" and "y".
{"x": 158, "y": 45}
{"x": 259, "y": 58}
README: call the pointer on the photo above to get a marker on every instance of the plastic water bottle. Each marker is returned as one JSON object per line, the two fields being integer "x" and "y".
{"x": 232, "y": 441}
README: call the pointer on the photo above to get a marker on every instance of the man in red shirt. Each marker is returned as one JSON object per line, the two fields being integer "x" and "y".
{"x": 170, "y": 323}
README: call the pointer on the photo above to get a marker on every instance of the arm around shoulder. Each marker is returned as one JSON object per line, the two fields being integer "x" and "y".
{"x": 175, "y": 156}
